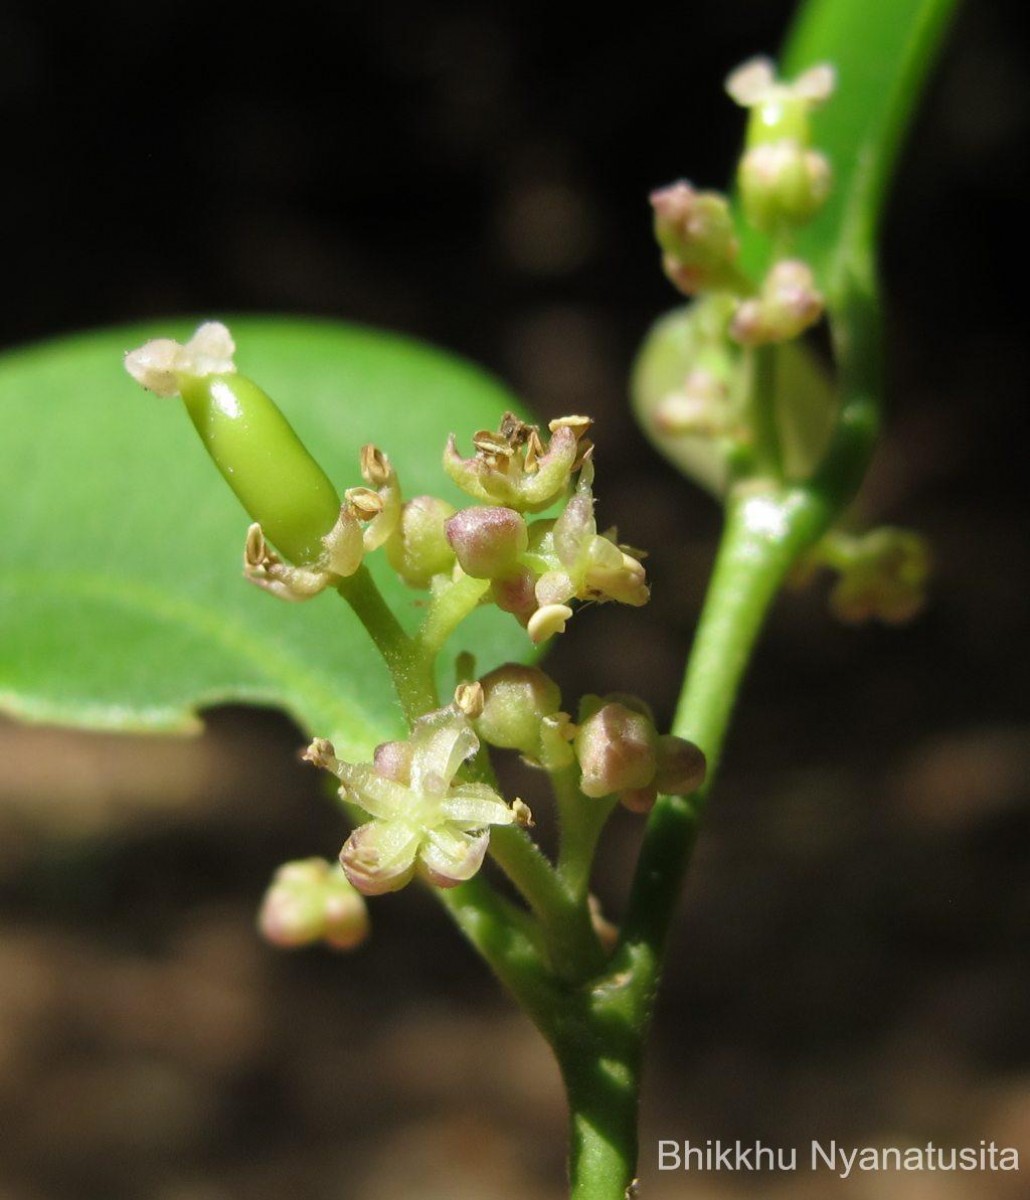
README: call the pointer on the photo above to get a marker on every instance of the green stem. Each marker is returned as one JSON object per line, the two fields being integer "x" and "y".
{"x": 573, "y": 947}
{"x": 411, "y": 670}
{"x": 764, "y": 533}
{"x": 581, "y": 820}
{"x": 447, "y": 609}
{"x": 762, "y": 412}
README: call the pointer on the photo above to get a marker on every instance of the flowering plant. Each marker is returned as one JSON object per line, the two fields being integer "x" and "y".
{"x": 727, "y": 388}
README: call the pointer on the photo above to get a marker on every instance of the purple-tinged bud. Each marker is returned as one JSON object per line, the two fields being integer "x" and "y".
{"x": 786, "y": 306}
{"x": 516, "y": 594}
{"x": 516, "y": 699}
{"x": 782, "y": 184}
{"x": 696, "y": 234}
{"x": 418, "y": 548}
{"x": 346, "y": 917}
{"x": 487, "y": 541}
{"x": 617, "y": 750}
{"x": 309, "y": 901}
{"x": 392, "y": 760}
{"x": 681, "y": 766}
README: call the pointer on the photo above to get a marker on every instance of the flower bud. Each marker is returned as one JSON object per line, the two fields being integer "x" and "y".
{"x": 886, "y": 578}
{"x": 696, "y": 234}
{"x": 782, "y": 184}
{"x": 616, "y": 748}
{"x": 515, "y": 701}
{"x": 418, "y": 548}
{"x": 681, "y": 766}
{"x": 487, "y": 540}
{"x": 786, "y": 306}
{"x": 311, "y": 900}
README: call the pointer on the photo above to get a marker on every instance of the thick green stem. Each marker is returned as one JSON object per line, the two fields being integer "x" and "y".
{"x": 581, "y": 820}
{"x": 411, "y": 670}
{"x": 572, "y": 944}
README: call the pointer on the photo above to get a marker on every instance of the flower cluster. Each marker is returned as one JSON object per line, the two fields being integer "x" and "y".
{"x": 305, "y": 539}
{"x": 424, "y": 819}
{"x": 615, "y": 744}
{"x": 783, "y": 184}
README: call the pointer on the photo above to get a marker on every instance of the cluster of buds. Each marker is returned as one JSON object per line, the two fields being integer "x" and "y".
{"x": 304, "y": 538}
{"x": 783, "y": 184}
{"x": 313, "y": 901}
{"x": 535, "y": 568}
{"x": 424, "y": 819}
{"x": 881, "y": 575}
{"x": 618, "y": 750}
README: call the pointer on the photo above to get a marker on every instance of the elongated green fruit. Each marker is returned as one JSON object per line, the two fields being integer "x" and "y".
{"x": 264, "y": 462}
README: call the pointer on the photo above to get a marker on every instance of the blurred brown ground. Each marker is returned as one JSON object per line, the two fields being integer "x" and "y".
{"x": 852, "y": 958}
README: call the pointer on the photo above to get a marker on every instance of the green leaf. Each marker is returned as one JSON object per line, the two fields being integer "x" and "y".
{"x": 122, "y": 603}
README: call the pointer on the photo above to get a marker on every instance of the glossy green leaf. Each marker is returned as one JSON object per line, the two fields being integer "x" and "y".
{"x": 122, "y": 604}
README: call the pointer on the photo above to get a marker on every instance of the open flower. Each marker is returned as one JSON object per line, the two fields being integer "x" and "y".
{"x": 584, "y": 564}
{"x": 422, "y": 820}
{"x": 514, "y": 468}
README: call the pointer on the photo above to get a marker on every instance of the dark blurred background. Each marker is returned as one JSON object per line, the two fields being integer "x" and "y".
{"x": 852, "y": 957}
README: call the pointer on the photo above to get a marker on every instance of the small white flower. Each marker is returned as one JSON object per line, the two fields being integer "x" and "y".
{"x": 754, "y": 83}
{"x": 422, "y": 821}
{"x": 158, "y": 364}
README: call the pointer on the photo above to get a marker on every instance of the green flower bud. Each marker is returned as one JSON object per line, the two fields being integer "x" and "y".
{"x": 516, "y": 699}
{"x": 418, "y": 549}
{"x": 260, "y": 456}
{"x": 487, "y": 540}
{"x": 696, "y": 234}
{"x": 782, "y": 184}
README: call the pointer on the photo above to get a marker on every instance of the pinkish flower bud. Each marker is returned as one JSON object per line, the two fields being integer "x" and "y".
{"x": 418, "y": 548}
{"x": 515, "y": 701}
{"x": 309, "y": 901}
{"x": 695, "y": 232}
{"x": 786, "y": 306}
{"x": 616, "y": 748}
{"x": 487, "y": 540}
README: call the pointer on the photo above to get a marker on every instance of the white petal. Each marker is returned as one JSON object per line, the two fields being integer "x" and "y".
{"x": 153, "y": 366}
{"x": 448, "y": 858}
{"x": 378, "y": 796}
{"x": 471, "y": 806}
{"x": 816, "y": 84}
{"x": 443, "y": 740}
{"x": 751, "y": 82}
{"x": 209, "y": 351}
